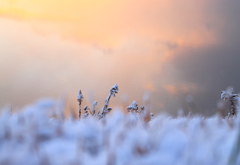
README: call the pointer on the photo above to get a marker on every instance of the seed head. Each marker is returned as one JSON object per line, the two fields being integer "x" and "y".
{"x": 80, "y": 96}
{"x": 114, "y": 90}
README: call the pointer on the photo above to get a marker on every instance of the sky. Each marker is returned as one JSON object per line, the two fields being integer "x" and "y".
{"x": 183, "y": 53}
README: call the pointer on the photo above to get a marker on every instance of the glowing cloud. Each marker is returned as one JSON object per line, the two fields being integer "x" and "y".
{"x": 129, "y": 42}
{"x": 110, "y": 24}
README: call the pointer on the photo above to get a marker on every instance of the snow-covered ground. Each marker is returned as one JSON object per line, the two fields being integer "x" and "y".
{"x": 33, "y": 137}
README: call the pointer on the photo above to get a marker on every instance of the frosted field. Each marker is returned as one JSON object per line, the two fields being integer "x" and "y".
{"x": 40, "y": 135}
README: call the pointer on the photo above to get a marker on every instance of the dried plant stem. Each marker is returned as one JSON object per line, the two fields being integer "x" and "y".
{"x": 80, "y": 99}
{"x": 86, "y": 114}
{"x": 232, "y": 108}
{"x": 105, "y": 107}
{"x": 79, "y": 110}
{"x": 232, "y": 98}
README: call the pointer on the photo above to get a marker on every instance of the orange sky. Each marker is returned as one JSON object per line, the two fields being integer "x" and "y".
{"x": 81, "y": 43}
{"x": 110, "y": 23}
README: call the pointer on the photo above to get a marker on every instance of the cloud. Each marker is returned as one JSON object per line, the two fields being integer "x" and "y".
{"x": 149, "y": 86}
{"x": 110, "y": 24}
{"x": 67, "y": 45}
{"x": 179, "y": 89}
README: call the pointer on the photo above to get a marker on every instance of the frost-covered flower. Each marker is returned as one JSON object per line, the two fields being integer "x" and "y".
{"x": 86, "y": 113}
{"x": 94, "y": 107}
{"x": 80, "y": 96}
{"x": 232, "y": 98}
{"x": 164, "y": 140}
{"x": 228, "y": 94}
{"x": 133, "y": 106}
{"x": 114, "y": 90}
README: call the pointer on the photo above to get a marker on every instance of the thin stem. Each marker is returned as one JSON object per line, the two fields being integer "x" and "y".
{"x": 105, "y": 107}
{"x": 79, "y": 111}
{"x": 80, "y": 99}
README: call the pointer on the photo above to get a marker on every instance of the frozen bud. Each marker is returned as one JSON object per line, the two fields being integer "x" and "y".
{"x": 107, "y": 110}
{"x": 235, "y": 96}
{"x": 80, "y": 96}
{"x": 95, "y": 103}
{"x": 225, "y": 95}
{"x": 133, "y": 106}
{"x": 114, "y": 90}
{"x": 85, "y": 115}
{"x": 228, "y": 94}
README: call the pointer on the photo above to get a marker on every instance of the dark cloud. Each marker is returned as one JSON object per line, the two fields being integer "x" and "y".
{"x": 210, "y": 67}
{"x": 213, "y": 68}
